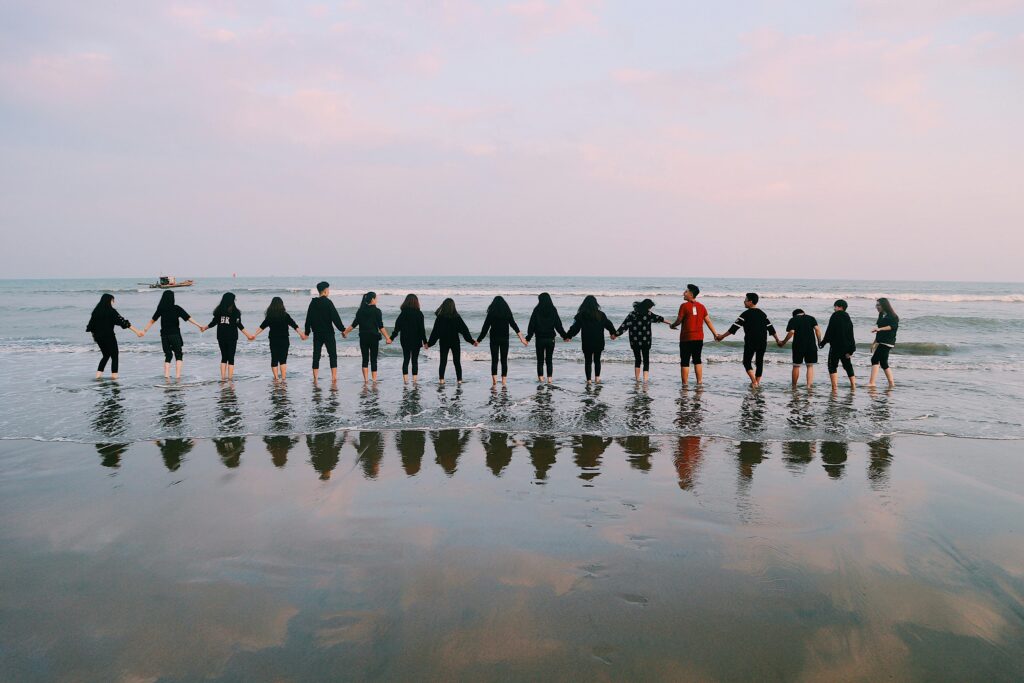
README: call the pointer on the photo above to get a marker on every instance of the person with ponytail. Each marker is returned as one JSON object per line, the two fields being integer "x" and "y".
{"x": 228, "y": 321}
{"x": 448, "y": 327}
{"x": 544, "y": 323}
{"x": 412, "y": 333}
{"x": 170, "y": 314}
{"x": 498, "y": 321}
{"x": 371, "y": 326}
{"x": 277, "y": 320}
{"x": 102, "y": 323}
{"x": 638, "y": 322}
{"x": 592, "y": 322}
{"x": 885, "y": 339}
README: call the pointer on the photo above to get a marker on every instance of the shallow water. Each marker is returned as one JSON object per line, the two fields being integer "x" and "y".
{"x": 957, "y": 342}
{"x": 477, "y": 555}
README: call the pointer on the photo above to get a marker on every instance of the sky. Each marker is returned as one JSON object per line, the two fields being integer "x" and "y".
{"x": 850, "y": 139}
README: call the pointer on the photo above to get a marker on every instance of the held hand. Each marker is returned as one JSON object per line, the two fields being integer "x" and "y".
{"x": 140, "y": 333}
{"x": 874, "y": 330}
{"x": 476, "y": 343}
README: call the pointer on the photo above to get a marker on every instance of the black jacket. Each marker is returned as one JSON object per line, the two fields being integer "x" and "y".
{"x": 320, "y": 315}
{"x": 103, "y": 322}
{"x": 593, "y": 330}
{"x": 498, "y": 328}
{"x": 544, "y": 324}
{"x": 410, "y": 325}
{"x": 839, "y": 333}
{"x": 448, "y": 331}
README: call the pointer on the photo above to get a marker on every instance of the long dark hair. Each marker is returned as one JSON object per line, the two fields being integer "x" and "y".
{"x": 226, "y": 305}
{"x": 545, "y": 304}
{"x": 589, "y": 308}
{"x": 276, "y": 309}
{"x": 887, "y": 309}
{"x": 166, "y": 300}
{"x": 411, "y": 303}
{"x": 104, "y": 304}
{"x": 499, "y": 308}
{"x": 447, "y": 309}
{"x": 365, "y": 303}
{"x": 642, "y": 307}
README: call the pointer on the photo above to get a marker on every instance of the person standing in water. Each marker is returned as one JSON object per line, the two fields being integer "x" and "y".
{"x": 839, "y": 337}
{"x": 638, "y": 322}
{"x": 169, "y": 314}
{"x": 371, "y": 326}
{"x": 277, "y": 320}
{"x": 102, "y": 323}
{"x": 692, "y": 317}
{"x": 544, "y": 323}
{"x": 592, "y": 322}
{"x": 756, "y": 328}
{"x": 228, "y": 321}
{"x": 412, "y": 333}
{"x": 498, "y": 321}
{"x": 803, "y": 329}
{"x": 448, "y": 326}
{"x": 321, "y": 316}
{"x": 885, "y": 339}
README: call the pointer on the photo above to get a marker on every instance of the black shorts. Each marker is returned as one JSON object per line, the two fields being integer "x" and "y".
{"x": 690, "y": 351}
{"x": 172, "y": 345}
{"x": 805, "y": 356}
{"x": 881, "y": 356}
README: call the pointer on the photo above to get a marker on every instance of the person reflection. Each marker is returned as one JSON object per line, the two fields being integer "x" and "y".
{"x": 594, "y": 411}
{"x": 323, "y": 409}
{"x": 411, "y": 446}
{"x": 110, "y": 453}
{"x": 543, "y": 451}
{"x": 228, "y": 413}
{"x": 879, "y": 461}
{"x": 370, "y": 449}
{"x": 280, "y": 414}
{"x": 449, "y": 408}
{"x": 690, "y": 409}
{"x": 796, "y": 455}
{"x": 752, "y": 411}
{"x": 448, "y": 447}
{"x": 230, "y": 449}
{"x": 542, "y": 411}
{"x": 587, "y": 451}
{"x": 172, "y": 413}
{"x": 324, "y": 452}
{"x": 369, "y": 409}
{"x": 638, "y": 409}
{"x": 411, "y": 406}
{"x": 833, "y": 458}
{"x": 689, "y": 455}
{"x": 174, "y": 451}
{"x": 500, "y": 404}
{"x": 879, "y": 411}
{"x": 497, "y": 450}
{"x": 801, "y": 410}
{"x": 839, "y": 412}
{"x": 639, "y": 450}
{"x": 278, "y": 447}
{"x": 109, "y": 416}
{"x": 749, "y": 454}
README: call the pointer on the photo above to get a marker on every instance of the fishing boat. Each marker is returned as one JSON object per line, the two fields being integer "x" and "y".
{"x": 168, "y": 282}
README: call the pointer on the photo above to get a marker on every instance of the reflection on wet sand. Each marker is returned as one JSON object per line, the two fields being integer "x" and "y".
{"x": 172, "y": 412}
{"x": 323, "y": 408}
{"x": 109, "y": 417}
{"x": 411, "y": 404}
{"x": 749, "y": 454}
{"x": 833, "y": 457}
{"x": 639, "y": 450}
{"x": 542, "y": 410}
{"x": 448, "y": 447}
{"x": 752, "y": 410}
{"x": 690, "y": 409}
{"x": 498, "y": 449}
{"x": 411, "y": 444}
{"x": 173, "y": 451}
{"x": 639, "y": 412}
{"x": 279, "y": 416}
{"x": 801, "y": 409}
{"x": 229, "y": 414}
{"x": 370, "y": 451}
{"x": 110, "y": 453}
{"x": 593, "y": 411}
{"x": 797, "y": 455}
{"x": 369, "y": 409}
{"x": 500, "y": 405}
{"x": 587, "y": 451}
{"x": 230, "y": 449}
{"x": 543, "y": 451}
{"x": 689, "y": 454}
{"x": 278, "y": 447}
{"x": 879, "y": 462}
{"x": 325, "y": 452}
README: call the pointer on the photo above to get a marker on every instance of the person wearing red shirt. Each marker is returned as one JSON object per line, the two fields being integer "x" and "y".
{"x": 692, "y": 317}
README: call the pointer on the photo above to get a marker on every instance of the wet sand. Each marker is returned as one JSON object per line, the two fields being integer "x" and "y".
{"x": 469, "y": 555}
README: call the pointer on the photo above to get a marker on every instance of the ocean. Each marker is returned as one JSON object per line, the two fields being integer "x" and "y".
{"x": 958, "y": 364}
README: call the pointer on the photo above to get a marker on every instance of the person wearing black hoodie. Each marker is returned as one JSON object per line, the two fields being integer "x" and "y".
{"x": 413, "y": 335}
{"x": 839, "y": 337}
{"x": 371, "y": 326}
{"x": 591, "y": 321}
{"x": 544, "y": 323}
{"x": 448, "y": 327}
{"x": 102, "y": 322}
{"x": 498, "y": 321}
{"x": 320, "y": 317}
{"x": 170, "y": 315}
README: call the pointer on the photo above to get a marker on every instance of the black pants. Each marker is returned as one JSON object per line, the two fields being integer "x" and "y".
{"x": 456, "y": 350}
{"x": 835, "y": 358}
{"x": 592, "y": 358}
{"x": 108, "y": 347}
{"x": 227, "y": 350}
{"x": 326, "y": 342}
{"x": 369, "y": 348}
{"x": 411, "y": 355}
{"x": 172, "y": 345}
{"x": 879, "y": 357}
{"x": 545, "y": 356}
{"x": 642, "y": 355}
{"x": 499, "y": 351}
{"x": 279, "y": 352}
{"x": 754, "y": 356}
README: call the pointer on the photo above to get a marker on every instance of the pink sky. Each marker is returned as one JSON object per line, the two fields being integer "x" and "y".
{"x": 861, "y": 139}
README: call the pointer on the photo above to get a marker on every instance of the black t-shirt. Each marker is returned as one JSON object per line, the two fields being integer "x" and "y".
{"x": 369, "y": 321}
{"x": 278, "y": 326}
{"x": 410, "y": 328}
{"x": 803, "y": 328}
{"x": 888, "y": 338}
{"x": 169, "y": 318}
{"x": 756, "y": 327}
{"x": 227, "y": 325}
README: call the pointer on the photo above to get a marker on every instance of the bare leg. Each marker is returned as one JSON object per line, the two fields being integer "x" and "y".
{"x": 284, "y": 371}
{"x": 647, "y": 376}
{"x": 373, "y": 376}
{"x": 277, "y": 373}
{"x": 853, "y": 382}
{"x": 700, "y": 373}
{"x": 98, "y": 374}
{"x": 316, "y": 371}
{"x": 231, "y": 371}
{"x": 810, "y": 376}
{"x": 888, "y": 376}
{"x": 167, "y": 370}
{"x": 223, "y": 370}
{"x": 684, "y": 374}
{"x": 874, "y": 375}
{"x": 113, "y": 375}
{"x": 494, "y": 380}
{"x": 796, "y": 375}
{"x": 334, "y": 375}
{"x": 834, "y": 377}
{"x": 636, "y": 371}
{"x": 177, "y": 369}
{"x": 365, "y": 375}
{"x": 415, "y": 379}
{"x": 504, "y": 380}
{"x": 753, "y": 378}
{"x": 405, "y": 379}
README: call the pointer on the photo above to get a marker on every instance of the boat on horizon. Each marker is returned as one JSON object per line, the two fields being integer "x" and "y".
{"x": 168, "y": 282}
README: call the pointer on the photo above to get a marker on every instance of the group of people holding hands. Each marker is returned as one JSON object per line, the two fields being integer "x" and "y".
{"x": 544, "y": 328}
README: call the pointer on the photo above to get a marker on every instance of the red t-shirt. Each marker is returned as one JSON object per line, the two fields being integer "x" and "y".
{"x": 693, "y": 314}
